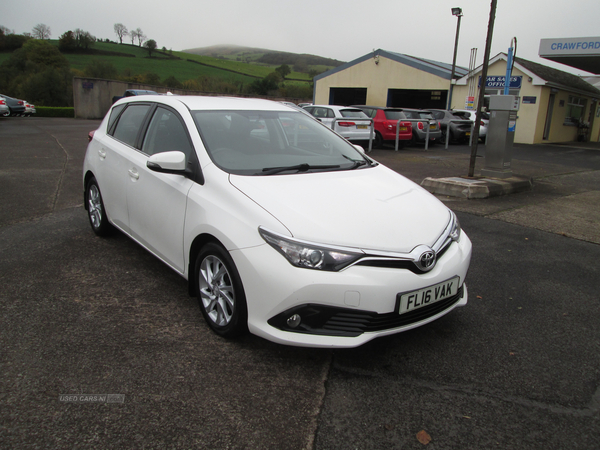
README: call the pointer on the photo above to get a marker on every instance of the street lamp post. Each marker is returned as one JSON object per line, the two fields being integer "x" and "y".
{"x": 458, "y": 13}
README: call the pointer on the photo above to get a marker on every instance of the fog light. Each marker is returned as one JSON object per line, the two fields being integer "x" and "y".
{"x": 294, "y": 321}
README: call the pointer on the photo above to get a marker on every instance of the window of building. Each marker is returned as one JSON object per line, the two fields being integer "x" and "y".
{"x": 575, "y": 110}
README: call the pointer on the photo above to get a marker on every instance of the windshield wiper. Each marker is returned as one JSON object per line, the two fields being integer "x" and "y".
{"x": 299, "y": 167}
{"x": 357, "y": 163}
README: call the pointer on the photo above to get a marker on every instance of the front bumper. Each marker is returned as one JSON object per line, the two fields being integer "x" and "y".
{"x": 340, "y": 309}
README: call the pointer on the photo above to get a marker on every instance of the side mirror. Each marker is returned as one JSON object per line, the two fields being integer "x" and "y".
{"x": 359, "y": 148}
{"x": 168, "y": 162}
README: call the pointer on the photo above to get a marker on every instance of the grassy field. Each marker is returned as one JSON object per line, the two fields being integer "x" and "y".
{"x": 130, "y": 60}
{"x": 182, "y": 69}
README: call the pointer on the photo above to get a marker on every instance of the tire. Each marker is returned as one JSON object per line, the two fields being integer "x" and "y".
{"x": 377, "y": 140}
{"x": 95, "y": 208}
{"x": 220, "y": 292}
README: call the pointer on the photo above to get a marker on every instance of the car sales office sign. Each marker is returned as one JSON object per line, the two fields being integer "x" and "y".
{"x": 497, "y": 82}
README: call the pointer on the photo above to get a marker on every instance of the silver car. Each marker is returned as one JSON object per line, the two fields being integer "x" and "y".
{"x": 4, "y": 111}
{"x": 352, "y": 124}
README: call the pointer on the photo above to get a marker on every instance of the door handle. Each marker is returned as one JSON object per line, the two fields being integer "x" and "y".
{"x": 102, "y": 153}
{"x": 133, "y": 174}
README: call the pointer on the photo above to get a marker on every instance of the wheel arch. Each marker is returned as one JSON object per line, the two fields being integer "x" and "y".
{"x": 86, "y": 179}
{"x": 199, "y": 241}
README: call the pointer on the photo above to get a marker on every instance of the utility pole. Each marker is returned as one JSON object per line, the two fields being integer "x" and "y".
{"x": 458, "y": 13}
{"x": 484, "y": 70}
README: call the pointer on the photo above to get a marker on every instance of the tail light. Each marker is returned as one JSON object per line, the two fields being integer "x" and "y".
{"x": 20, "y": 102}
{"x": 2, "y": 102}
{"x": 420, "y": 125}
{"x": 91, "y": 135}
{"x": 346, "y": 124}
{"x": 482, "y": 123}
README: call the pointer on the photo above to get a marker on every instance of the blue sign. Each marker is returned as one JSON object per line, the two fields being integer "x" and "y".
{"x": 497, "y": 81}
{"x": 87, "y": 85}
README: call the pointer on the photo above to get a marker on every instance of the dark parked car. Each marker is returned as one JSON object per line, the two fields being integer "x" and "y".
{"x": 420, "y": 128}
{"x": 385, "y": 120}
{"x": 132, "y": 92}
{"x": 16, "y": 107}
{"x": 460, "y": 131}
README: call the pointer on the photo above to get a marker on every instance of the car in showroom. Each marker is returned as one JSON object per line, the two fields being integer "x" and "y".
{"x": 351, "y": 123}
{"x": 386, "y": 121}
{"x": 458, "y": 127}
{"x": 280, "y": 226}
{"x": 422, "y": 121}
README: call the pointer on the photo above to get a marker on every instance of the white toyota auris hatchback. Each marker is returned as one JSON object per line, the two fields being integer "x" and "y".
{"x": 282, "y": 227}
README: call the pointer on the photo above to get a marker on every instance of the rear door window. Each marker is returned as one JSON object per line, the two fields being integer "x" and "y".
{"x": 130, "y": 123}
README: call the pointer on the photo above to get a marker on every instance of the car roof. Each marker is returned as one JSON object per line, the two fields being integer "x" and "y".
{"x": 338, "y": 107}
{"x": 385, "y": 108}
{"x": 196, "y": 102}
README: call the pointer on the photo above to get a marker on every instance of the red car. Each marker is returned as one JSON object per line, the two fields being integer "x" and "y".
{"x": 386, "y": 120}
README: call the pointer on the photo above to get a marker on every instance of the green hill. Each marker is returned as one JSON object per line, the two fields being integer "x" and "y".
{"x": 302, "y": 63}
{"x": 227, "y": 63}
{"x": 232, "y": 64}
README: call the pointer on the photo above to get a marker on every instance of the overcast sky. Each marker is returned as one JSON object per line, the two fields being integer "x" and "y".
{"x": 339, "y": 29}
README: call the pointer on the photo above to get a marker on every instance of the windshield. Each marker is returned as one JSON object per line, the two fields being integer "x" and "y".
{"x": 268, "y": 142}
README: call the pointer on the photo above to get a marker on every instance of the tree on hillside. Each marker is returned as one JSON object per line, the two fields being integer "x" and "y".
{"x": 84, "y": 39}
{"x": 283, "y": 70}
{"x": 150, "y": 45}
{"x": 67, "y": 42}
{"x": 121, "y": 31}
{"x": 38, "y": 72}
{"x": 141, "y": 37}
{"x": 267, "y": 85}
{"x": 133, "y": 36}
{"x": 9, "y": 41}
{"x": 41, "y": 31}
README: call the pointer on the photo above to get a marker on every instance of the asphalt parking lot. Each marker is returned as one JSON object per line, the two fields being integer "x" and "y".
{"x": 517, "y": 368}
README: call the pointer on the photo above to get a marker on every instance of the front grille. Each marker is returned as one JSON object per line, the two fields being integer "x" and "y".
{"x": 403, "y": 264}
{"x": 332, "y": 321}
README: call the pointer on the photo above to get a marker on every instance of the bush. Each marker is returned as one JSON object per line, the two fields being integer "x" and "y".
{"x": 54, "y": 111}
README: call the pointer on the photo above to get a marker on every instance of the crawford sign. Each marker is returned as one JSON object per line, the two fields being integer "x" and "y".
{"x": 570, "y": 46}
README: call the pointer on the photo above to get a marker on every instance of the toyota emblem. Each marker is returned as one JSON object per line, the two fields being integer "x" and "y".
{"x": 426, "y": 260}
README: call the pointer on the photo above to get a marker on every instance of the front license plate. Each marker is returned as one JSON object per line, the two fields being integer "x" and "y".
{"x": 426, "y": 296}
{"x": 362, "y": 127}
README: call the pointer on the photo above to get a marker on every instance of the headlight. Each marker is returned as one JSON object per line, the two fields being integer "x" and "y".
{"x": 308, "y": 255}
{"x": 455, "y": 230}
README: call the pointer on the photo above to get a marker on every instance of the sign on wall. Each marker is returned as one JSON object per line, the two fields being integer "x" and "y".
{"x": 497, "y": 81}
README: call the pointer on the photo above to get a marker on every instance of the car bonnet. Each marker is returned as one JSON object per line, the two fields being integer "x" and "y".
{"x": 371, "y": 209}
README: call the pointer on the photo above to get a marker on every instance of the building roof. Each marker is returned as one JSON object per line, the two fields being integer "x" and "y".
{"x": 437, "y": 68}
{"x": 558, "y": 77}
{"x": 542, "y": 76}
